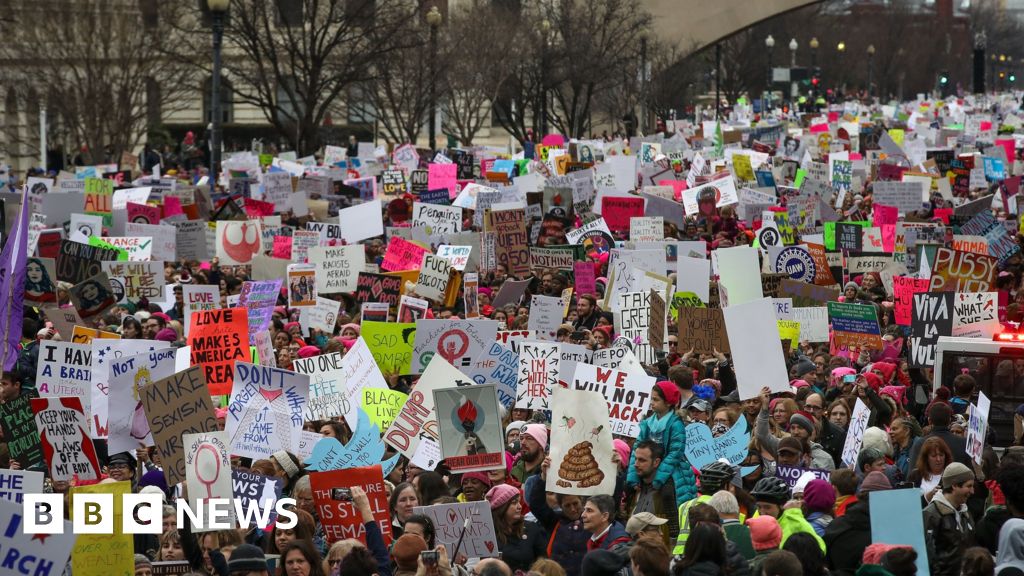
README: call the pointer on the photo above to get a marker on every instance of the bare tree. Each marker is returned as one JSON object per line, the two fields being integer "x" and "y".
{"x": 97, "y": 66}
{"x": 297, "y": 60}
{"x": 594, "y": 45}
{"x": 478, "y": 68}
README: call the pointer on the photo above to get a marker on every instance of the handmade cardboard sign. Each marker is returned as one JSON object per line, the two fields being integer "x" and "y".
{"x": 337, "y": 514}
{"x": 258, "y": 392}
{"x": 477, "y": 540}
{"x": 175, "y": 406}
{"x": 208, "y": 471}
{"x": 64, "y": 435}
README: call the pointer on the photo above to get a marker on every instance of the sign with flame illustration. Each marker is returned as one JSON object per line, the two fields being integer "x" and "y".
{"x": 470, "y": 425}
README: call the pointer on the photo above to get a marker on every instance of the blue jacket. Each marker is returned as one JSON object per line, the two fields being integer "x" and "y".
{"x": 674, "y": 465}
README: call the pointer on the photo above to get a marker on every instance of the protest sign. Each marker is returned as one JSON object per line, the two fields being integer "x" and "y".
{"x": 458, "y": 256}
{"x": 751, "y": 328}
{"x": 133, "y": 281}
{"x": 470, "y": 428}
{"x": 633, "y": 321}
{"x": 977, "y": 426}
{"x": 497, "y": 365}
{"x": 628, "y": 395}
{"x": 507, "y": 229}
{"x": 402, "y": 255}
{"x": 127, "y": 425}
{"x": 218, "y": 339}
{"x": 256, "y": 392}
{"x": 714, "y": 194}
{"x": 391, "y": 344}
{"x": 252, "y": 489}
{"x": 975, "y": 315}
{"x": 365, "y": 448}
{"x": 382, "y": 405}
{"x": 813, "y": 323}
{"x": 791, "y": 474}
{"x": 545, "y": 316}
{"x": 471, "y": 294}
{"x": 415, "y": 431}
{"x": 64, "y": 369}
{"x": 539, "y": 364}
{"x": 702, "y": 330}
{"x": 904, "y": 289}
{"x": 238, "y": 241}
{"x": 378, "y": 288}
{"x": 736, "y": 266}
{"x": 477, "y": 540}
{"x": 586, "y": 281}
{"x": 76, "y": 262}
{"x": 21, "y": 433}
{"x": 104, "y": 351}
{"x": 322, "y": 316}
{"x": 361, "y": 221}
{"x": 703, "y": 449}
{"x": 896, "y": 519}
{"x": 14, "y": 484}
{"x": 259, "y": 300}
{"x": 855, "y": 325}
{"x": 109, "y": 554}
{"x": 433, "y": 279}
{"x": 208, "y": 471}
{"x": 656, "y": 324}
{"x": 198, "y": 297}
{"x": 302, "y": 285}
{"x": 954, "y": 271}
{"x": 581, "y": 444}
{"x": 164, "y": 238}
{"x": 437, "y": 219}
{"x": 64, "y": 435}
{"x": 932, "y": 316}
{"x": 337, "y": 513}
{"x": 855, "y": 433}
{"x": 175, "y": 406}
{"x": 457, "y": 341}
{"x": 93, "y": 296}
{"x": 374, "y": 311}
{"x": 40, "y": 281}
{"x": 905, "y": 196}
{"x": 551, "y": 259}
{"x": 36, "y": 551}
{"x": 618, "y": 210}
{"x": 337, "y": 267}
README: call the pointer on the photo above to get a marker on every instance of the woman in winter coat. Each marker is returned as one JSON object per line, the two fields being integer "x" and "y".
{"x": 519, "y": 542}
{"x": 705, "y": 552}
{"x": 665, "y": 427}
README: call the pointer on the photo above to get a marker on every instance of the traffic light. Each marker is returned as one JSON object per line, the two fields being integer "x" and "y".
{"x": 943, "y": 79}
{"x": 814, "y": 81}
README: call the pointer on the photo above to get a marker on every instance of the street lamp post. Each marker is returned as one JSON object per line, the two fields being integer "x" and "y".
{"x": 814, "y": 64}
{"x": 769, "y": 43}
{"x": 545, "y": 29}
{"x": 218, "y": 9}
{"x": 841, "y": 48}
{"x": 792, "y": 64}
{"x": 433, "y": 21}
{"x": 871, "y": 68}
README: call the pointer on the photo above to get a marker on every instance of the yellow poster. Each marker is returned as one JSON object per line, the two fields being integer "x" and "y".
{"x": 391, "y": 345}
{"x": 83, "y": 335}
{"x": 382, "y": 405}
{"x": 790, "y": 330}
{"x": 104, "y": 554}
{"x": 741, "y": 164}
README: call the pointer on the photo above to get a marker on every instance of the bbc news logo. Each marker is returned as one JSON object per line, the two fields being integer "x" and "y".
{"x": 143, "y": 513}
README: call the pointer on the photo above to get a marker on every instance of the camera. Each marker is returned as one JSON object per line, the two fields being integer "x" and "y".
{"x": 429, "y": 558}
{"x": 341, "y": 494}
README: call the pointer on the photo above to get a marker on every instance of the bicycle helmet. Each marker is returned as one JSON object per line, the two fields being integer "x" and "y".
{"x": 772, "y": 490}
{"x": 715, "y": 476}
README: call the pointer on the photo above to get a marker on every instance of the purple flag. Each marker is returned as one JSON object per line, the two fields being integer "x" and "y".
{"x": 12, "y": 286}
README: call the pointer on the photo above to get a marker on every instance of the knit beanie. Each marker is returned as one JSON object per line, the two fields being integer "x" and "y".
{"x": 765, "y": 532}
{"x": 819, "y": 496}
{"x": 247, "y": 558}
{"x": 501, "y": 494}
{"x": 539, "y": 433}
{"x": 166, "y": 335}
{"x": 802, "y": 419}
{"x": 873, "y": 380}
{"x": 803, "y": 366}
{"x": 308, "y": 351}
{"x": 876, "y": 438}
{"x": 623, "y": 449}
{"x": 142, "y": 560}
{"x": 480, "y": 476}
{"x": 669, "y": 391}
{"x": 874, "y": 481}
{"x": 956, "y": 473}
{"x": 802, "y": 481}
{"x": 514, "y": 425}
{"x": 405, "y": 551}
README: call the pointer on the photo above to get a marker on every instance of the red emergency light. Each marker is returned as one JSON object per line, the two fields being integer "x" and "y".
{"x": 1009, "y": 337}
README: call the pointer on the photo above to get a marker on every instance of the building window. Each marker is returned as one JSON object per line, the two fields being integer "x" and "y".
{"x": 360, "y": 106}
{"x": 290, "y": 101}
{"x": 154, "y": 112}
{"x": 227, "y": 104}
{"x": 150, "y": 11}
{"x": 361, "y": 13}
{"x": 289, "y": 13}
